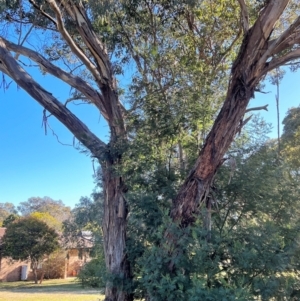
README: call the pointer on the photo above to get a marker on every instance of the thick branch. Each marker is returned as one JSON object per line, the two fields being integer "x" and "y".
{"x": 75, "y": 81}
{"x": 75, "y": 49}
{"x": 292, "y": 40}
{"x": 9, "y": 66}
{"x": 277, "y": 62}
{"x": 97, "y": 49}
{"x": 288, "y": 38}
{"x": 260, "y": 32}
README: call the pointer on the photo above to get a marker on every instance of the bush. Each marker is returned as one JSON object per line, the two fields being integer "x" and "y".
{"x": 93, "y": 273}
{"x": 54, "y": 267}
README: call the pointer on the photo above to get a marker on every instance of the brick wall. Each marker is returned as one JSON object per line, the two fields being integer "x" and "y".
{"x": 11, "y": 269}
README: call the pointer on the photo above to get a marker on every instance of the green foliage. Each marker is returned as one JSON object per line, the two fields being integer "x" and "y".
{"x": 9, "y": 219}
{"x": 252, "y": 249}
{"x": 291, "y": 138}
{"x": 29, "y": 238}
{"x": 93, "y": 273}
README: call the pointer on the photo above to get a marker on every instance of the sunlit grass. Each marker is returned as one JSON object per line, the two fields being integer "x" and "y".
{"x": 49, "y": 290}
{"x": 8, "y": 296}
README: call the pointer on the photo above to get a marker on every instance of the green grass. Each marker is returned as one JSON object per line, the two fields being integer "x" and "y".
{"x": 49, "y": 290}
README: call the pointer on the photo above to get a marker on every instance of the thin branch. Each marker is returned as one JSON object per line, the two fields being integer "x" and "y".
{"x": 39, "y": 8}
{"x": 244, "y": 15}
{"x": 75, "y": 98}
{"x": 56, "y": 136}
{"x": 257, "y": 108}
{"x": 260, "y": 91}
{"x": 21, "y": 18}
{"x": 24, "y": 39}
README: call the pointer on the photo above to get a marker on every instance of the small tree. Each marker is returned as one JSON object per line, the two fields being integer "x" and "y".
{"x": 29, "y": 238}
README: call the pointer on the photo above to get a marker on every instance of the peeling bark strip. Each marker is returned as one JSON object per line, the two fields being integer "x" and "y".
{"x": 258, "y": 55}
{"x": 114, "y": 230}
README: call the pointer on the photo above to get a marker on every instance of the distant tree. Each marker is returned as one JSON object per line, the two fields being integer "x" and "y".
{"x": 291, "y": 137}
{"x": 47, "y": 218}
{"x": 5, "y": 210}
{"x": 29, "y": 238}
{"x": 12, "y": 217}
{"x": 37, "y": 204}
{"x": 86, "y": 216}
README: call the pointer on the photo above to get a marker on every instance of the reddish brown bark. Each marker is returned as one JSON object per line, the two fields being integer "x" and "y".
{"x": 249, "y": 68}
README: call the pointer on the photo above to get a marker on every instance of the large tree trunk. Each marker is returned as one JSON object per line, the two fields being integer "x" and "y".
{"x": 114, "y": 233}
{"x": 250, "y": 66}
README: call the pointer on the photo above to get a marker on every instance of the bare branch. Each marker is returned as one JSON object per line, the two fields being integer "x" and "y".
{"x": 260, "y": 91}
{"x": 39, "y": 8}
{"x": 261, "y": 31}
{"x": 244, "y": 15}
{"x": 257, "y": 108}
{"x": 74, "y": 81}
{"x": 75, "y": 49}
{"x": 287, "y": 39}
{"x": 78, "y": 13}
{"x": 277, "y": 62}
{"x": 9, "y": 66}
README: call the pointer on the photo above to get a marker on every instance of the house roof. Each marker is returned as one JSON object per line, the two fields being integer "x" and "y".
{"x": 81, "y": 239}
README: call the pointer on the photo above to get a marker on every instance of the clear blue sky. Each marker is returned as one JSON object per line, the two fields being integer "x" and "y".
{"x": 32, "y": 164}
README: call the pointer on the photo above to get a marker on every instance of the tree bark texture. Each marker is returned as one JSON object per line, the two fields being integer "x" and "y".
{"x": 114, "y": 234}
{"x": 250, "y": 66}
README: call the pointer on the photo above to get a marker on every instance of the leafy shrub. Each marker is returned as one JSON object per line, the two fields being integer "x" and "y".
{"x": 54, "y": 266}
{"x": 93, "y": 273}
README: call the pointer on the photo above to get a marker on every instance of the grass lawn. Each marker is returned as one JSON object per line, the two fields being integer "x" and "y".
{"x": 49, "y": 290}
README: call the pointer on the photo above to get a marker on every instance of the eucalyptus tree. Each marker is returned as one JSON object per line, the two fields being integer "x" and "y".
{"x": 71, "y": 26}
{"x": 264, "y": 34}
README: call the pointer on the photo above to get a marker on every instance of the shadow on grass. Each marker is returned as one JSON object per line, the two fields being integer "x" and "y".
{"x": 51, "y": 286}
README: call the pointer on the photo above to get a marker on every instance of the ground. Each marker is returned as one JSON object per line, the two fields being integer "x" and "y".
{"x": 51, "y": 290}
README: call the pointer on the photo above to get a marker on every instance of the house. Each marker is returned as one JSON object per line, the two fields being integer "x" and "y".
{"x": 61, "y": 264}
